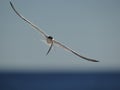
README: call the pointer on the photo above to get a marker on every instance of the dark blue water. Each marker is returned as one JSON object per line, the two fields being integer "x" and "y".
{"x": 59, "y": 81}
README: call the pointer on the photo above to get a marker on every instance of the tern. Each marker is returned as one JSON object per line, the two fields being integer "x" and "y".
{"x": 49, "y": 39}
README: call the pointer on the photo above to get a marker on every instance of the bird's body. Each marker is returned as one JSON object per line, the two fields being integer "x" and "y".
{"x": 49, "y": 39}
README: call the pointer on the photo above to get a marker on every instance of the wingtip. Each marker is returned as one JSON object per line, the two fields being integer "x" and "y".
{"x": 94, "y": 60}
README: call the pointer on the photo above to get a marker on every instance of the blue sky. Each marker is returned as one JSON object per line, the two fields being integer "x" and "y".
{"x": 90, "y": 27}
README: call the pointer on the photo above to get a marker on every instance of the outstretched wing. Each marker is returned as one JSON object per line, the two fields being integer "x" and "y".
{"x": 30, "y": 23}
{"x": 70, "y": 50}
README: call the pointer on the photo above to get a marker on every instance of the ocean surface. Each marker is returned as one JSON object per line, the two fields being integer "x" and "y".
{"x": 59, "y": 81}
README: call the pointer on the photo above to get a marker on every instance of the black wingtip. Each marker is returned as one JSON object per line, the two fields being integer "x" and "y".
{"x": 94, "y": 60}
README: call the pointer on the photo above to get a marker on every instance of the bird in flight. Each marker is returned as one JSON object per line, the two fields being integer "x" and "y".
{"x": 49, "y": 39}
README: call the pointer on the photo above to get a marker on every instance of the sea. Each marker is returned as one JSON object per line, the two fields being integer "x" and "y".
{"x": 59, "y": 81}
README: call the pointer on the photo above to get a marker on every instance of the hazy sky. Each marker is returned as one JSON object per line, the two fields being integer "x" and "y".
{"x": 90, "y": 27}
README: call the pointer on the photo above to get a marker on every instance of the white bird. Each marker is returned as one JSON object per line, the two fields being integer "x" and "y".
{"x": 49, "y": 39}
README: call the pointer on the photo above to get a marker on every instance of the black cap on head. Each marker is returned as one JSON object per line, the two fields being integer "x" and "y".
{"x": 50, "y": 37}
